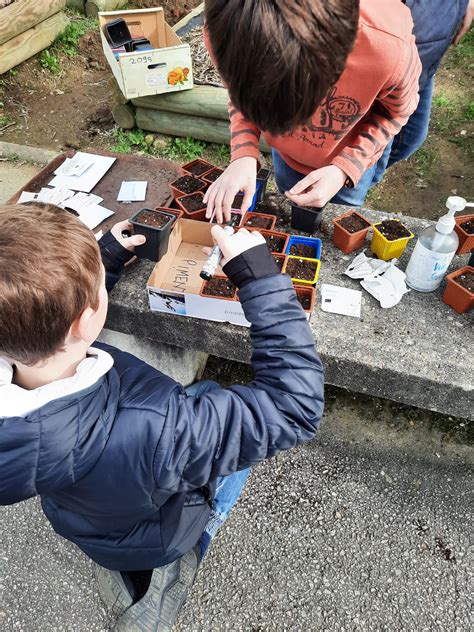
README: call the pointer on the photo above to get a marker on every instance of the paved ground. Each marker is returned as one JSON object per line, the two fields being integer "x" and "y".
{"x": 367, "y": 528}
{"x": 13, "y": 176}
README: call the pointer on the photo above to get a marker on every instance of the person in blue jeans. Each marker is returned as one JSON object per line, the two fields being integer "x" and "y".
{"x": 437, "y": 24}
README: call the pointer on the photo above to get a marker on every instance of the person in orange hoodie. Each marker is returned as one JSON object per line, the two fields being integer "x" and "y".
{"x": 329, "y": 83}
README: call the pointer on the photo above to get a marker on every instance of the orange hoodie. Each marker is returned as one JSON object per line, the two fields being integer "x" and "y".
{"x": 370, "y": 103}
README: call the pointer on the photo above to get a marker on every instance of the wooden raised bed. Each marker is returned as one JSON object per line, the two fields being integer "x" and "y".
{"x": 28, "y": 27}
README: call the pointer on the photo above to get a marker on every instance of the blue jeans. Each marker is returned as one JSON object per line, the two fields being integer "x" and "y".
{"x": 228, "y": 488}
{"x": 408, "y": 140}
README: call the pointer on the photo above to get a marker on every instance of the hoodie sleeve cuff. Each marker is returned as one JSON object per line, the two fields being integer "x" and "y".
{"x": 255, "y": 263}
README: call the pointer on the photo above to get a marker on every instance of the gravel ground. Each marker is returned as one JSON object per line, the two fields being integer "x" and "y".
{"x": 366, "y": 528}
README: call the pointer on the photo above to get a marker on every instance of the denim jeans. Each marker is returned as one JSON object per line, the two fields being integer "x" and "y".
{"x": 228, "y": 488}
{"x": 408, "y": 140}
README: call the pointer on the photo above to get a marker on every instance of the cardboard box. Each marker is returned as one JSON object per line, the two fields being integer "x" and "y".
{"x": 174, "y": 284}
{"x": 166, "y": 68}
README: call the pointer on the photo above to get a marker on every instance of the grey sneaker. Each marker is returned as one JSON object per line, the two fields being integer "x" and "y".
{"x": 169, "y": 587}
{"x": 112, "y": 590}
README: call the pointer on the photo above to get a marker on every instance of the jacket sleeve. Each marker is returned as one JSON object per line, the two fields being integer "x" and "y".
{"x": 389, "y": 113}
{"x": 231, "y": 429}
{"x": 114, "y": 257}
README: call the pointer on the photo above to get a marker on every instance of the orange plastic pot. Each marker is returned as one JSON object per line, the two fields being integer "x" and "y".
{"x": 177, "y": 192}
{"x": 268, "y": 233}
{"x": 197, "y": 168}
{"x": 457, "y": 296}
{"x": 345, "y": 240}
{"x": 466, "y": 240}
{"x": 174, "y": 211}
{"x": 306, "y": 292}
{"x": 198, "y": 214}
{"x": 271, "y": 219}
{"x": 222, "y": 298}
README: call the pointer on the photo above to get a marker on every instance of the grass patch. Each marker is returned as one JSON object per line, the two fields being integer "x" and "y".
{"x": 424, "y": 159}
{"x": 49, "y": 61}
{"x": 462, "y": 55}
{"x": 130, "y": 141}
{"x": 5, "y": 120}
{"x": 184, "y": 149}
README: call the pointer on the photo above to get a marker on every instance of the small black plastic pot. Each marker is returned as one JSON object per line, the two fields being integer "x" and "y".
{"x": 306, "y": 219}
{"x": 263, "y": 176}
{"x": 156, "y": 245}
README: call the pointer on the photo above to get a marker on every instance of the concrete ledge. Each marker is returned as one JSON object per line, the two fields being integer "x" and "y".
{"x": 24, "y": 152}
{"x": 416, "y": 353}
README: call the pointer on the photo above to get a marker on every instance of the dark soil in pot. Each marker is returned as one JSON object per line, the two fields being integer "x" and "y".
{"x": 237, "y": 203}
{"x": 259, "y": 222}
{"x": 392, "y": 230}
{"x": 353, "y": 223}
{"x": 466, "y": 280}
{"x": 263, "y": 174}
{"x": 152, "y": 218}
{"x": 193, "y": 203}
{"x": 188, "y": 184}
{"x": 275, "y": 243}
{"x": 219, "y": 287}
{"x": 198, "y": 169}
{"x": 279, "y": 260}
{"x": 303, "y": 250}
{"x": 468, "y": 226}
{"x": 304, "y": 299}
{"x": 213, "y": 175}
{"x": 301, "y": 269}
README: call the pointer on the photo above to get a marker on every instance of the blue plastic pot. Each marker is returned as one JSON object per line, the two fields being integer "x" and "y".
{"x": 314, "y": 242}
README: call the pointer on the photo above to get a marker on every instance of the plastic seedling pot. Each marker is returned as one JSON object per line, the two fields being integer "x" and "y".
{"x": 218, "y": 284}
{"x": 306, "y": 296}
{"x": 239, "y": 198}
{"x": 117, "y": 33}
{"x": 465, "y": 231}
{"x": 259, "y": 220}
{"x": 471, "y": 260}
{"x": 192, "y": 205}
{"x": 276, "y": 242}
{"x": 304, "y": 245}
{"x": 387, "y": 249}
{"x": 198, "y": 168}
{"x": 460, "y": 298}
{"x": 177, "y": 212}
{"x": 186, "y": 185}
{"x": 263, "y": 175}
{"x": 307, "y": 220}
{"x": 235, "y": 215}
{"x": 156, "y": 226}
{"x": 212, "y": 175}
{"x": 280, "y": 260}
{"x": 316, "y": 264}
{"x": 349, "y": 238}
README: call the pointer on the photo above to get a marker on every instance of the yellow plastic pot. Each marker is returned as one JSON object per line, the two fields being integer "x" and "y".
{"x": 302, "y": 281}
{"x": 386, "y": 249}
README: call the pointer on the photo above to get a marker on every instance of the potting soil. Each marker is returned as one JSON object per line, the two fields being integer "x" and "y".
{"x": 304, "y": 299}
{"x": 238, "y": 200}
{"x": 263, "y": 174}
{"x": 301, "y": 269}
{"x": 303, "y": 250}
{"x": 468, "y": 226}
{"x": 353, "y": 223}
{"x": 275, "y": 243}
{"x": 152, "y": 218}
{"x": 193, "y": 203}
{"x": 214, "y": 174}
{"x": 259, "y": 222}
{"x": 279, "y": 261}
{"x": 466, "y": 280}
{"x": 198, "y": 169}
{"x": 219, "y": 287}
{"x": 188, "y": 184}
{"x": 392, "y": 230}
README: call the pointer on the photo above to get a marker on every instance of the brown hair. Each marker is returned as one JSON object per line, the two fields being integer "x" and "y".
{"x": 279, "y": 58}
{"x": 50, "y": 271}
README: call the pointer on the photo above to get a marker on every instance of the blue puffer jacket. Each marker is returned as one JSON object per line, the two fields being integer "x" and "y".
{"x": 126, "y": 469}
{"x": 436, "y": 22}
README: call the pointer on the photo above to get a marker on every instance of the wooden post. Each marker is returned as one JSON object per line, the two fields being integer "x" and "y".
{"x": 32, "y": 41}
{"x": 78, "y": 5}
{"x": 93, "y": 7}
{"x": 207, "y": 101}
{"x": 175, "y": 124}
{"x": 22, "y": 15}
{"x": 124, "y": 115}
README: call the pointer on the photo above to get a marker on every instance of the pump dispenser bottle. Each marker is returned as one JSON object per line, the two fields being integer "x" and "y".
{"x": 434, "y": 250}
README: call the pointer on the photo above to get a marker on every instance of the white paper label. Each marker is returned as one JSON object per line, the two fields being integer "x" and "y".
{"x": 426, "y": 268}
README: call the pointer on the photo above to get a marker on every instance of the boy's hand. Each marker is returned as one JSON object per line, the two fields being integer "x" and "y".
{"x": 234, "y": 245}
{"x": 128, "y": 243}
{"x": 318, "y": 187}
{"x": 466, "y": 24}
{"x": 240, "y": 175}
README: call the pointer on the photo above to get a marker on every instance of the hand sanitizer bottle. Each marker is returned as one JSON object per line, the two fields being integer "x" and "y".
{"x": 434, "y": 250}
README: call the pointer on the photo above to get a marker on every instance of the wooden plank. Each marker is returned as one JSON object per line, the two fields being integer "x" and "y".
{"x": 30, "y": 42}
{"x": 78, "y": 5}
{"x": 95, "y": 6}
{"x": 207, "y": 101}
{"x": 23, "y": 15}
{"x": 124, "y": 115}
{"x": 175, "y": 124}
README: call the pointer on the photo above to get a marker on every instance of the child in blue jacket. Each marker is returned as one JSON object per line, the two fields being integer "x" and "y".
{"x": 129, "y": 466}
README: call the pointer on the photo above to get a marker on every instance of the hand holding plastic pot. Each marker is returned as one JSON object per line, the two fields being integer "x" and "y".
{"x": 234, "y": 245}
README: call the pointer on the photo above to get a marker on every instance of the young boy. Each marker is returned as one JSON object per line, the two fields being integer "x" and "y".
{"x": 133, "y": 469}
{"x": 327, "y": 84}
